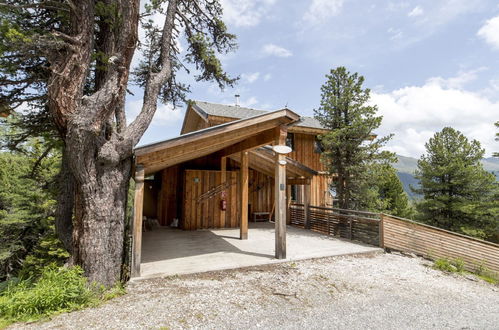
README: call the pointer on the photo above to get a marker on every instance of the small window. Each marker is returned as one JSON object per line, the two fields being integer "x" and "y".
{"x": 290, "y": 141}
{"x": 318, "y": 147}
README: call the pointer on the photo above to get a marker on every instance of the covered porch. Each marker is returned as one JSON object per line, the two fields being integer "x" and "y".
{"x": 210, "y": 188}
{"x": 167, "y": 251}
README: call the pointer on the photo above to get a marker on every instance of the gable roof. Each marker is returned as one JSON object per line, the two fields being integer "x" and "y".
{"x": 206, "y": 109}
{"x": 260, "y": 128}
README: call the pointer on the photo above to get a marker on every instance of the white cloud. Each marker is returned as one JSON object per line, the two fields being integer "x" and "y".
{"x": 457, "y": 82}
{"x": 274, "y": 50}
{"x": 490, "y": 32}
{"x": 417, "y": 11}
{"x": 267, "y": 77}
{"x": 245, "y": 13}
{"x": 249, "y": 103}
{"x": 395, "y": 33}
{"x": 320, "y": 10}
{"x": 415, "y": 113}
{"x": 250, "y": 77}
{"x": 165, "y": 115}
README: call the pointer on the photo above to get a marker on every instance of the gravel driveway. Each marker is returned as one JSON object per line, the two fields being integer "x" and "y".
{"x": 386, "y": 291}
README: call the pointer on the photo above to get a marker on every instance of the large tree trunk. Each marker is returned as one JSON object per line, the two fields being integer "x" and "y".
{"x": 65, "y": 204}
{"x": 102, "y": 188}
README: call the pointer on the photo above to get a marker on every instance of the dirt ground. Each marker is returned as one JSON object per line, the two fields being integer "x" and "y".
{"x": 385, "y": 291}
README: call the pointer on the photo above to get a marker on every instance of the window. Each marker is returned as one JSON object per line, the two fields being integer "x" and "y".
{"x": 290, "y": 141}
{"x": 318, "y": 148}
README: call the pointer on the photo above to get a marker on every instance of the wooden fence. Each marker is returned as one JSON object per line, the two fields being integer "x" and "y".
{"x": 431, "y": 242}
{"x": 355, "y": 225}
{"x": 399, "y": 234}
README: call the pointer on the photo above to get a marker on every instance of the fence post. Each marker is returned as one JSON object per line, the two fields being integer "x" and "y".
{"x": 351, "y": 229}
{"x": 381, "y": 231}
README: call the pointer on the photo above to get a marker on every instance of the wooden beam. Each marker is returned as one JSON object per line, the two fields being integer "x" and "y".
{"x": 223, "y": 168}
{"x": 138, "y": 206}
{"x": 280, "y": 197}
{"x": 264, "y": 138}
{"x": 243, "y": 195}
{"x": 306, "y": 203}
{"x": 301, "y": 181}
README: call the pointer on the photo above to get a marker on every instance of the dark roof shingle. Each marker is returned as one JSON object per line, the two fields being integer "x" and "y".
{"x": 232, "y": 111}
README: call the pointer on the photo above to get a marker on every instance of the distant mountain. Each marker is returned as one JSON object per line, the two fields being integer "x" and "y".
{"x": 406, "y": 166}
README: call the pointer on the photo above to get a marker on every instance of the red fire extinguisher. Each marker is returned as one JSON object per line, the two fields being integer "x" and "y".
{"x": 223, "y": 202}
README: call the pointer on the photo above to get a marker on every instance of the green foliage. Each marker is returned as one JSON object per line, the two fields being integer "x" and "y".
{"x": 385, "y": 193}
{"x": 27, "y": 206}
{"x": 58, "y": 289}
{"x": 457, "y": 266}
{"x": 451, "y": 266}
{"x": 350, "y": 146}
{"x": 458, "y": 194}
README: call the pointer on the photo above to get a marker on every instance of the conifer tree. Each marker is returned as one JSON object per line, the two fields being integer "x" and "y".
{"x": 350, "y": 146}
{"x": 70, "y": 62}
{"x": 458, "y": 194}
{"x": 385, "y": 192}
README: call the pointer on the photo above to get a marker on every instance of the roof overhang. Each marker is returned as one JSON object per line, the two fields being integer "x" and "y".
{"x": 157, "y": 156}
{"x": 263, "y": 160}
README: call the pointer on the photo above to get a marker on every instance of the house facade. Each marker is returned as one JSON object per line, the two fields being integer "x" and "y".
{"x": 182, "y": 191}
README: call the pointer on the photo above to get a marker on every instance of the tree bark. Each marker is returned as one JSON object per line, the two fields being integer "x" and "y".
{"x": 99, "y": 224}
{"x": 65, "y": 204}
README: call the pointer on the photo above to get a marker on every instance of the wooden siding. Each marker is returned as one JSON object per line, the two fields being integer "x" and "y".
{"x": 261, "y": 192}
{"x": 171, "y": 187}
{"x": 304, "y": 151}
{"x": 207, "y": 213}
{"x": 405, "y": 235}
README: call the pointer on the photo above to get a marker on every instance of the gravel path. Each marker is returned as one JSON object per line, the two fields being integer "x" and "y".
{"x": 386, "y": 291}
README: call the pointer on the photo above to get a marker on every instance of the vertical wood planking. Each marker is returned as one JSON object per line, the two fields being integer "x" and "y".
{"x": 306, "y": 202}
{"x": 223, "y": 179}
{"x": 243, "y": 196}
{"x": 137, "y": 220}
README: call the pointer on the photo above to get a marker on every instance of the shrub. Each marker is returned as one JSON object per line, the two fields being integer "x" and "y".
{"x": 58, "y": 289}
{"x": 444, "y": 265}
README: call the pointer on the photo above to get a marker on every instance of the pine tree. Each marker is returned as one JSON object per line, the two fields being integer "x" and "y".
{"x": 385, "y": 192}
{"x": 71, "y": 61}
{"x": 458, "y": 194}
{"x": 350, "y": 146}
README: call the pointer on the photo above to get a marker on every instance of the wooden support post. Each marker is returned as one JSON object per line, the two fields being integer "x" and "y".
{"x": 138, "y": 206}
{"x": 280, "y": 198}
{"x": 243, "y": 196}
{"x": 288, "y": 204}
{"x": 381, "y": 232}
{"x": 223, "y": 168}
{"x": 306, "y": 205}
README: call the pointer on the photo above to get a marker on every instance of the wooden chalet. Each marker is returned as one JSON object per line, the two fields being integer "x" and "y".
{"x": 222, "y": 171}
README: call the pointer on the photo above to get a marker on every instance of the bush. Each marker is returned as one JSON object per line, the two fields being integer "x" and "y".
{"x": 451, "y": 266}
{"x": 444, "y": 265}
{"x": 58, "y": 289}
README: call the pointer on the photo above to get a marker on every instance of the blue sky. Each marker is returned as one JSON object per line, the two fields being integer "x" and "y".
{"x": 430, "y": 64}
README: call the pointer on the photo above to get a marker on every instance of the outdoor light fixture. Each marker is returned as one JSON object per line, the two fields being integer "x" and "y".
{"x": 282, "y": 150}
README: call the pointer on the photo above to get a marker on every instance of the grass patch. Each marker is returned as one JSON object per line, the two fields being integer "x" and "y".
{"x": 458, "y": 266}
{"x": 57, "y": 290}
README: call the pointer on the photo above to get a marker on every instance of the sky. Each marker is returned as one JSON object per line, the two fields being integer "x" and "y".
{"x": 429, "y": 64}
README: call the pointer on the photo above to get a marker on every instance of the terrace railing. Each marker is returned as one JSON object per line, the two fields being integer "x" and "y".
{"x": 354, "y": 225}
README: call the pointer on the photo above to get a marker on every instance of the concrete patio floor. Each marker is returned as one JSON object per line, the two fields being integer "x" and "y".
{"x": 167, "y": 251}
